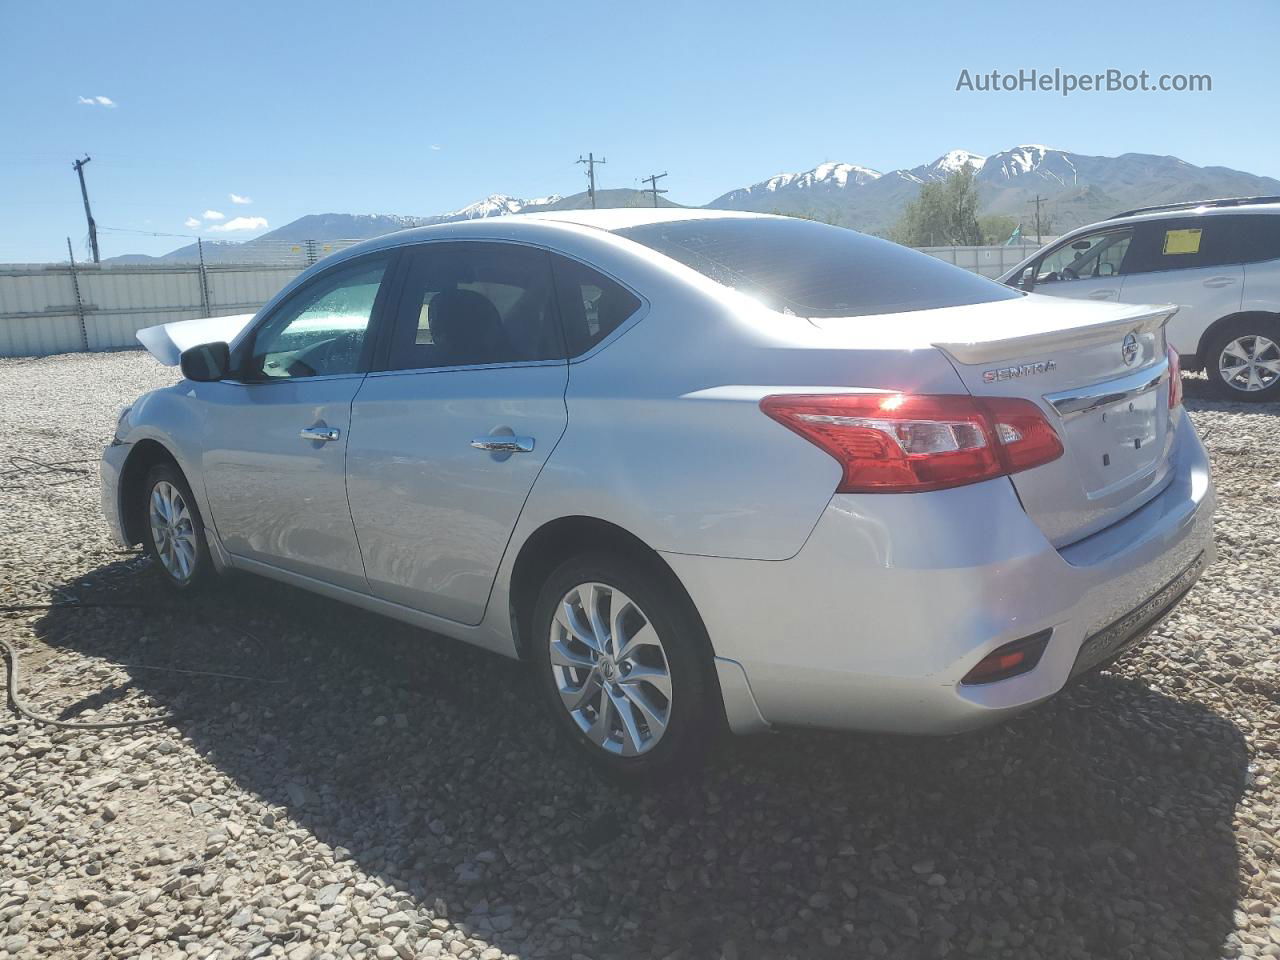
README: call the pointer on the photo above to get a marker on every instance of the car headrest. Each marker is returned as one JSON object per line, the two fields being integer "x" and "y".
{"x": 467, "y": 327}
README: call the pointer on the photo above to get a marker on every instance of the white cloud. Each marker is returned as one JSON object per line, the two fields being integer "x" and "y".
{"x": 191, "y": 223}
{"x": 241, "y": 223}
{"x": 96, "y": 101}
{"x": 214, "y": 215}
{"x": 236, "y": 198}
{"x": 436, "y": 146}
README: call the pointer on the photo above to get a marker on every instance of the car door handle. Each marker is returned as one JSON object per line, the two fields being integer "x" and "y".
{"x": 504, "y": 444}
{"x": 320, "y": 434}
{"x": 1219, "y": 281}
{"x": 1102, "y": 294}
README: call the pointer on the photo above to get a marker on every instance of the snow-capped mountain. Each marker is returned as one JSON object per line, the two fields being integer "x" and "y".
{"x": 1079, "y": 189}
{"x": 824, "y": 175}
{"x": 947, "y": 164}
{"x": 495, "y": 205}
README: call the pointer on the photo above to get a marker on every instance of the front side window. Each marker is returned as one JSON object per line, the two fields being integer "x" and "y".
{"x": 591, "y": 305}
{"x": 471, "y": 303}
{"x": 320, "y": 331}
{"x": 815, "y": 270}
{"x": 1093, "y": 255}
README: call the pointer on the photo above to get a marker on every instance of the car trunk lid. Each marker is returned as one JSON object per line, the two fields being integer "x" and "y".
{"x": 1100, "y": 374}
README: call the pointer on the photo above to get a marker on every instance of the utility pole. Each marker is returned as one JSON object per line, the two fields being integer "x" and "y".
{"x": 93, "y": 227}
{"x": 1037, "y": 201}
{"x": 652, "y": 181}
{"x": 591, "y": 162}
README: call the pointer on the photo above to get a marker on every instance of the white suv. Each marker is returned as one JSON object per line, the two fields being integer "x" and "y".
{"x": 1219, "y": 260}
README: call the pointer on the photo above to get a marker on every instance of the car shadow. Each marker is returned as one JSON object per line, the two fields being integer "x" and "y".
{"x": 1097, "y": 825}
{"x": 1198, "y": 395}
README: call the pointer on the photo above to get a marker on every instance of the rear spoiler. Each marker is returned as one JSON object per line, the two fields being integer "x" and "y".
{"x": 1138, "y": 319}
{"x": 167, "y": 341}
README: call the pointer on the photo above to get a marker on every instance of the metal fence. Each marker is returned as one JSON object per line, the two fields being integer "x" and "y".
{"x": 988, "y": 261}
{"x": 65, "y": 308}
{"x": 57, "y": 308}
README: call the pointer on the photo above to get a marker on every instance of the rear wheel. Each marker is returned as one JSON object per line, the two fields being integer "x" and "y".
{"x": 623, "y": 667}
{"x": 1243, "y": 360}
{"x": 173, "y": 533}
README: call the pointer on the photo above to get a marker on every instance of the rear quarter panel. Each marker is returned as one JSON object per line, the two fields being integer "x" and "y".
{"x": 1261, "y": 287}
{"x": 666, "y": 439}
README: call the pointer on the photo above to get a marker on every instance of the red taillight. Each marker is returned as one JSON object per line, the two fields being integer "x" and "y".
{"x": 1175, "y": 378}
{"x": 905, "y": 443}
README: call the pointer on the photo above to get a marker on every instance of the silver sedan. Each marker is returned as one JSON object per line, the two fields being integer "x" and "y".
{"x": 697, "y": 468}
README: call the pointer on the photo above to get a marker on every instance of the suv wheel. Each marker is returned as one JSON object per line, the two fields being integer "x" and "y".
{"x": 174, "y": 533}
{"x": 622, "y": 668}
{"x": 1243, "y": 360}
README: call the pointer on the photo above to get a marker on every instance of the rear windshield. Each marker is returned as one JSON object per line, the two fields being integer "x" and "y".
{"x": 815, "y": 270}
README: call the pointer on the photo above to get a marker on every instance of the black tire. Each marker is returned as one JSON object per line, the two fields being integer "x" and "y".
{"x": 1244, "y": 328}
{"x": 201, "y": 570}
{"x": 692, "y": 719}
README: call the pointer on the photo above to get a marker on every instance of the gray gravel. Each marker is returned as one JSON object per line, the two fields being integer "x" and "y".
{"x": 378, "y": 792}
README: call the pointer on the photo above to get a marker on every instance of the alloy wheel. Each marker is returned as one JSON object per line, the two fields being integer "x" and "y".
{"x": 1250, "y": 363}
{"x": 172, "y": 531}
{"x": 610, "y": 669}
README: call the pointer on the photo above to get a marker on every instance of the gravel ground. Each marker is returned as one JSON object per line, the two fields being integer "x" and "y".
{"x": 368, "y": 790}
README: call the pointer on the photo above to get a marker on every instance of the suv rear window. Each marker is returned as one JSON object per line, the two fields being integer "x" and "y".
{"x": 815, "y": 270}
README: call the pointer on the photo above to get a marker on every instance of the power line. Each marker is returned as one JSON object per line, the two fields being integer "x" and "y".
{"x": 652, "y": 181}
{"x": 88, "y": 214}
{"x": 1037, "y": 201}
{"x": 591, "y": 162}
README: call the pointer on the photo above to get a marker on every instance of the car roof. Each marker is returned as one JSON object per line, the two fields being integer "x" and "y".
{"x": 511, "y": 225}
{"x": 1180, "y": 213}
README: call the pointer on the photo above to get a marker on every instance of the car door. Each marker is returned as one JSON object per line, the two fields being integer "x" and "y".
{"x": 276, "y": 435}
{"x": 1190, "y": 261}
{"x": 448, "y": 438}
{"x": 1086, "y": 267}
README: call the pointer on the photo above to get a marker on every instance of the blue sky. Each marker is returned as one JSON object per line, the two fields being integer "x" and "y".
{"x": 420, "y": 108}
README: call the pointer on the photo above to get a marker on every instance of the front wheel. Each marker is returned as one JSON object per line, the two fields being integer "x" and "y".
{"x": 1243, "y": 361}
{"x": 174, "y": 533}
{"x": 623, "y": 666}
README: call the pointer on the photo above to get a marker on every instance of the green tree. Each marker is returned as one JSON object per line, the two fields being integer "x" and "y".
{"x": 944, "y": 214}
{"x": 996, "y": 228}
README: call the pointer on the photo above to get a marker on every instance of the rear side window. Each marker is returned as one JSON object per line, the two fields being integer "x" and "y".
{"x": 1183, "y": 243}
{"x": 1257, "y": 237}
{"x": 476, "y": 303}
{"x": 815, "y": 270}
{"x": 591, "y": 305}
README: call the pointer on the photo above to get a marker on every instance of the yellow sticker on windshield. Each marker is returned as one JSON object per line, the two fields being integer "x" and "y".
{"x": 1181, "y": 241}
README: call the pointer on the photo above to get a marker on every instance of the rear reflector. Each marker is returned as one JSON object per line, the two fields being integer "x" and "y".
{"x": 1012, "y": 659}
{"x": 908, "y": 443}
{"x": 1175, "y": 378}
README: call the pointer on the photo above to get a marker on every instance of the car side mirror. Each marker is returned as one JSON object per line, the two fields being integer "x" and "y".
{"x": 206, "y": 363}
{"x": 1028, "y": 278}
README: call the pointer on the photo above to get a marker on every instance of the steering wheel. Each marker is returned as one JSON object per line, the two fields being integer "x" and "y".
{"x": 335, "y": 355}
{"x": 1070, "y": 274}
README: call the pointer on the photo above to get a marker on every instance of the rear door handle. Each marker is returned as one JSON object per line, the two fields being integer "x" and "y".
{"x": 1102, "y": 294}
{"x": 504, "y": 444}
{"x": 1219, "y": 281}
{"x": 320, "y": 434}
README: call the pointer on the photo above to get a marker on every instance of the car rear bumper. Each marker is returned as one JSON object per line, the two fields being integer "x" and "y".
{"x": 894, "y": 599}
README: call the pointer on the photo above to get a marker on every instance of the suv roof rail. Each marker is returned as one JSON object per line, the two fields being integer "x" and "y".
{"x": 1193, "y": 204}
